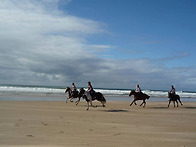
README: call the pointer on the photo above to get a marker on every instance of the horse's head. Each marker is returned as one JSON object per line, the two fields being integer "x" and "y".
{"x": 132, "y": 92}
{"x": 81, "y": 91}
{"x": 67, "y": 89}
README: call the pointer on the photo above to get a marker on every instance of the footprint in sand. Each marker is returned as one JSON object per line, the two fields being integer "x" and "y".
{"x": 45, "y": 124}
{"x": 30, "y": 136}
{"x": 17, "y": 125}
{"x": 61, "y": 132}
{"x": 117, "y": 134}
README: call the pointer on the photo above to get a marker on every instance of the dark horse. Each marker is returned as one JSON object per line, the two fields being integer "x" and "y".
{"x": 174, "y": 98}
{"x": 96, "y": 96}
{"x": 72, "y": 95}
{"x": 138, "y": 96}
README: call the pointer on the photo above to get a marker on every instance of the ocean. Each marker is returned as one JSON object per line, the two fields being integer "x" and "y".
{"x": 49, "y": 93}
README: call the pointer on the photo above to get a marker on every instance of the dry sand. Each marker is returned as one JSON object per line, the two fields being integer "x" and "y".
{"x": 116, "y": 125}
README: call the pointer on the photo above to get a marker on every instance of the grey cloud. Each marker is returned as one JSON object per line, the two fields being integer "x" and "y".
{"x": 46, "y": 48}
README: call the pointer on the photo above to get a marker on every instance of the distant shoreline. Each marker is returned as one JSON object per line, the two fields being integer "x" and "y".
{"x": 59, "y": 92}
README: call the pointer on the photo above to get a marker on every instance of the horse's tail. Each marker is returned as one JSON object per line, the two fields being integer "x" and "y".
{"x": 178, "y": 97}
{"x": 104, "y": 100}
{"x": 148, "y": 97}
{"x": 100, "y": 97}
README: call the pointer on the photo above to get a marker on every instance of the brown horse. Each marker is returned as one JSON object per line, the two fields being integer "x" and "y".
{"x": 139, "y": 96}
{"x": 174, "y": 98}
{"x": 72, "y": 95}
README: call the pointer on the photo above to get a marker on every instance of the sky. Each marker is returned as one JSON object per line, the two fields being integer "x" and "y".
{"x": 112, "y": 43}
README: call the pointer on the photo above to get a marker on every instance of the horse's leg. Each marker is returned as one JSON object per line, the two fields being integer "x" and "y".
{"x": 87, "y": 106}
{"x": 102, "y": 104}
{"x": 67, "y": 99}
{"x": 180, "y": 101}
{"x": 132, "y": 102}
{"x": 141, "y": 103}
{"x": 135, "y": 103}
{"x": 92, "y": 103}
{"x": 174, "y": 103}
{"x": 169, "y": 103}
{"x": 177, "y": 103}
{"x": 71, "y": 99}
{"x": 77, "y": 101}
{"x": 144, "y": 103}
{"x": 102, "y": 100}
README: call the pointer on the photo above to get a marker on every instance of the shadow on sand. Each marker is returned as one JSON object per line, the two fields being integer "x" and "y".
{"x": 189, "y": 107}
{"x": 115, "y": 110}
{"x": 158, "y": 107}
{"x": 172, "y": 107}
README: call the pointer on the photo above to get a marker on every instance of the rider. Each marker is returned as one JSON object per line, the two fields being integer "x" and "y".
{"x": 74, "y": 90}
{"x": 172, "y": 91}
{"x": 138, "y": 89}
{"x": 90, "y": 89}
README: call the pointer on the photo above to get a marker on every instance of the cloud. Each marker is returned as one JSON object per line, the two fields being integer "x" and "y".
{"x": 41, "y": 45}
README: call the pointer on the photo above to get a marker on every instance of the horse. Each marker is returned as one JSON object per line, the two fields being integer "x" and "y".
{"x": 174, "y": 98}
{"x": 72, "y": 95}
{"x": 96, "y": 96}
{"x": 139, "y": 96}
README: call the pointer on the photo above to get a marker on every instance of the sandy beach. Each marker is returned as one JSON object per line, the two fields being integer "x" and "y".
{"x": 27, "y": 123}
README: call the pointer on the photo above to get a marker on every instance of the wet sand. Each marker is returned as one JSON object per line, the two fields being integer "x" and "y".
{"x": 28, "y": 123}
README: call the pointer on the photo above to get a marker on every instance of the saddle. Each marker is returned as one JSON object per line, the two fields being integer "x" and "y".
{"x": 74, "y": 93}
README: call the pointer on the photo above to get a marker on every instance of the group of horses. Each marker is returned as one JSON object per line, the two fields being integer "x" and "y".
{"x": 99, "y": 97}
{"x": 86, "y": 95}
